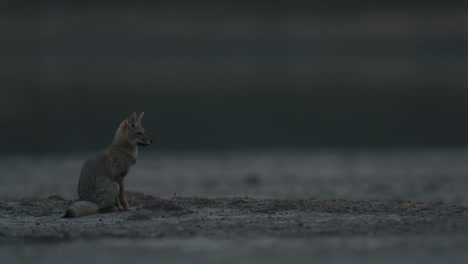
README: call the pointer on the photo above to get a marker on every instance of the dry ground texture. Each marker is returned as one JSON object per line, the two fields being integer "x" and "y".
{"x": 40, "y": 220}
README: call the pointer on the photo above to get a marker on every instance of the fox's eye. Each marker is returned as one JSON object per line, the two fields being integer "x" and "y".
{"x": 139, "y": 133}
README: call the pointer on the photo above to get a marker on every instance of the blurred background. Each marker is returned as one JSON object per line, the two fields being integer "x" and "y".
{"x": 242, "y": 76}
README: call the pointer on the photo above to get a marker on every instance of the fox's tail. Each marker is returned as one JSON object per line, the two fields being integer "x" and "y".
{"x": 81, "y": 208}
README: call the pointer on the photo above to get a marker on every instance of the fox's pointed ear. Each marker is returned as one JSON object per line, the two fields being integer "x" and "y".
{"x": 131, "y": 120}
{"x": 141, "y": 116}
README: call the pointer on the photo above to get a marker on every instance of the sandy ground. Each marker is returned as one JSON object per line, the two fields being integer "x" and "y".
{"x": 436, "y": 175}
{"x": 323, "y": 206}
{"x": 208, "y": 230}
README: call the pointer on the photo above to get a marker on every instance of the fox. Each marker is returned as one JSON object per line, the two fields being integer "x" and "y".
{"x": 101, "y": 183}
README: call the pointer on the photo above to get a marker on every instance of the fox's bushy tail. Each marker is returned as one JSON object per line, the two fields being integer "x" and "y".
{"x": 81, "y": 208}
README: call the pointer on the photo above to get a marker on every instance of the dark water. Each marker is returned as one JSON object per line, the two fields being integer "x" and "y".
{"x": 426, "y": 175}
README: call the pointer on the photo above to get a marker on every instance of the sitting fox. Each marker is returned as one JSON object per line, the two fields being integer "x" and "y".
{"x": 101, "y": 180}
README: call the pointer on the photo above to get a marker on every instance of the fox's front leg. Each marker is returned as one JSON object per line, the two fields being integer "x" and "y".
{"x": 117, "y": 206}
{"x": 122, "y": 195}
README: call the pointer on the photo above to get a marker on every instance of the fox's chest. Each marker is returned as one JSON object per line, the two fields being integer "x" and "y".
{"x": 121, "y": 166}
{"x": 135, "y": 154}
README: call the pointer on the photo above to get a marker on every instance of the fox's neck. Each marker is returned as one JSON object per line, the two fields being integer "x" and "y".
{"x": 120, "y": 142}
{"x": 125, "y": 146}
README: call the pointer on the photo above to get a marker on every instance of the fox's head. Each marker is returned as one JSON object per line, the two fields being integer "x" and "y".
{"x": 132, "y": 131}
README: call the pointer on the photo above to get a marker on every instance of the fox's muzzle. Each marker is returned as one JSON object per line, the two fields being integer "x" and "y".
{"x": 148, "y": 141}
{"x": 143, "y": 144}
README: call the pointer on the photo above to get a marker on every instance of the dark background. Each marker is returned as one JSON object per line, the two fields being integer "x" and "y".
{"x": 242, "y": 74}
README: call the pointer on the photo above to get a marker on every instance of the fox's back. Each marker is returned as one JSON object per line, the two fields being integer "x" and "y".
{"x": 95, "y": 170}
